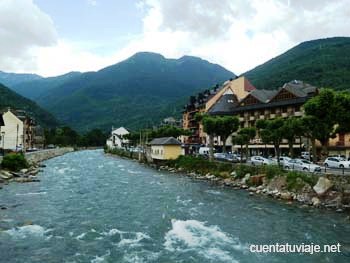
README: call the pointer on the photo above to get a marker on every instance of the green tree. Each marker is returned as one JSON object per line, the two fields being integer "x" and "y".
{"x": 219, "y": 126}
{"x": 292, "y": 128}
{"x": 324, "y": 110}
{"x": 169, "y": 131}
{"x": 239, "y": 140}
{"x": 310, "y": 131}
{"x": 271, "y": 131}
{"x": 244, "y": 137}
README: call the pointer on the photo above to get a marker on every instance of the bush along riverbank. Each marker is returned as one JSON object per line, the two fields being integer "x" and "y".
{"x": 321, "y": 191}
{"x": 15, "y": 168}
{"x": 23, "y": 168}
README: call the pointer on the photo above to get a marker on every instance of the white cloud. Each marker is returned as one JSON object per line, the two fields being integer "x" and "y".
{"x": 23, "y": 27}
{"x": 237, "y": 34}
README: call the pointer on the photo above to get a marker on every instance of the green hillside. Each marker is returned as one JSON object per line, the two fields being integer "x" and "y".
{"x": 8, "y": 98}
{"x": 12, "y": 79}
{"x": 135, "y": 93}
{"x": 35, "y": 88}
{"x": 323, "y": 63}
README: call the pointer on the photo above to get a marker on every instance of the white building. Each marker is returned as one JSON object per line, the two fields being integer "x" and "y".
{"x": 12, "y": 133}
{"x": 117, "y": 138}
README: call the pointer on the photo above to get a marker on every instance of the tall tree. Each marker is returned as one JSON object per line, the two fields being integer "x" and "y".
{"x": 219, "y": 126}
{"x": 226, "y": 125}
{"x": 271, "y": 131}
{"x": 292, "y": 128}
{"x": 324, "y": 110}
{"x": 244, "y": 137}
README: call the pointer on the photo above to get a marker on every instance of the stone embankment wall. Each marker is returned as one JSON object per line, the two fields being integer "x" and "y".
{"x": 39, "y": 156}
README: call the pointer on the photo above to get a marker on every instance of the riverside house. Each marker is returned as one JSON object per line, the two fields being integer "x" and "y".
{"x": 165, "y": 148}
{"x": 117, "y": 138}
{"x": 17, "y": 131}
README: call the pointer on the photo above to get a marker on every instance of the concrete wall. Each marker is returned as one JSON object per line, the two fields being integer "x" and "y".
{"x": 39, "y": 156}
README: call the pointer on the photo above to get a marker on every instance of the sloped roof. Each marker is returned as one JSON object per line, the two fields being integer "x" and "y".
{"x": 120, "y": 131}
{"x": 165, "y": 141}
{"x": 224, "y": 105}
{"x": 247, "y": 85}
{"x": 299, "y": 88}
{"x": 263, "y": 95}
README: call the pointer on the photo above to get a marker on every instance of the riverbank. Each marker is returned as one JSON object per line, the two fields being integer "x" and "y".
{"x": 90, "y": 207}
{"x": 325, "y": 191}
{"x": 34, "y": 160}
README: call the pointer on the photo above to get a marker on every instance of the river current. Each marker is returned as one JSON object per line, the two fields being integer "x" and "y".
{"x": 90, "y": 207}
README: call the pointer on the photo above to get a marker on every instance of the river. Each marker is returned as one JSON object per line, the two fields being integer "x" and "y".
{"x": 90, "y": 207}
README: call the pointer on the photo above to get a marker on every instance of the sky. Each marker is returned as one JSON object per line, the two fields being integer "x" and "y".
{"x": 53, "y": 37}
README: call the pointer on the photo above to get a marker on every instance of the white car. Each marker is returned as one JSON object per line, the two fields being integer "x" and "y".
{"x": 336, "y": 162}
{"x": 258, "y": 160}
{"x": 283, "y": 160}
{"x": 302, "y": 165}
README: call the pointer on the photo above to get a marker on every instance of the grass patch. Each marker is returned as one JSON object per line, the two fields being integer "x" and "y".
{"x": 272, "y": 170}
{"x": 297, "y": 180}
{"x": 201, "y": 165}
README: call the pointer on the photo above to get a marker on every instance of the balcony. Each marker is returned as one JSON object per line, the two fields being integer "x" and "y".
{"x": 251, "y": 118}
{"x": 241, "y": 118}
{"x": 284, "y": 114}
{"x": 298, "y": 113}
{"x": 262, "y": 117}
{"x": 272, "y": 115}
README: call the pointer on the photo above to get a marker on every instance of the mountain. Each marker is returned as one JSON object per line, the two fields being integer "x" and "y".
{"x": 35, "y": 88}
{"x": 322, "y": 62}
{"x": 8, "y": 98}
{"x": 12, "y": 79}
{"x": 136, "y": 92}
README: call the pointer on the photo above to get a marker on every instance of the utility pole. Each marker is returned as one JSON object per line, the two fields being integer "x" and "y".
{"x": 140, "y": 144}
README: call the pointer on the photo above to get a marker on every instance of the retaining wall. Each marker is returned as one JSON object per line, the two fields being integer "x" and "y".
{"x": 39, "y": 156}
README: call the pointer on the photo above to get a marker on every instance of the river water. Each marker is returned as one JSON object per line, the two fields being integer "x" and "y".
{"x": 90, "y": 207}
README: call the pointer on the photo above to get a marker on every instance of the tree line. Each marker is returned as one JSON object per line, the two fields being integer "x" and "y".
{"x": 66, "y": 136}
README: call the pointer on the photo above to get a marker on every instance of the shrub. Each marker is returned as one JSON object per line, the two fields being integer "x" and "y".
{"x": 297, "y": 180}
{"x": 14, "y": 162}
{"x": 271, "y": 171}
{"x": 201, "y": 165}
{"x": 242, "y": 170}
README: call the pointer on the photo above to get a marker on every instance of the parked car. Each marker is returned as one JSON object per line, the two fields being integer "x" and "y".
{"x": 220, "y": 156}
{"x": 302, "y": 165}
{"x": 283, "y": 160}
{"x": 259, "y": 160}
{"x": 204, "y": 151}
{"x": 32, "y": 149}
{"x": 336, "y": 162}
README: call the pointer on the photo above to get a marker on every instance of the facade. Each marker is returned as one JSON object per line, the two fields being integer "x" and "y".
{"x": 340, "y": 145}
{"x": 165, "y": 148}
{"x": 284, "y": 102}
{"x": 235, "y": 89}
{"x": 117, "y": 138}
{"x": 12, "y": 131}
{"x": 171, "y": 121}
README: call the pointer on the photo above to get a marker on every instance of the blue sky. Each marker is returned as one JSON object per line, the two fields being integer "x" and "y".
{"x": 53, "y": 37}
{"x": 104, "y": 25}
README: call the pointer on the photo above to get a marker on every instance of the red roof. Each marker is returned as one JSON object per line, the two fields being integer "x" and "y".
{"x": 248, "y": 86}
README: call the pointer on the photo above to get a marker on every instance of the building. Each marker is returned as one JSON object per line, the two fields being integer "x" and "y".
{"x": 118, "y": 138}
{"x": 17, "y": 131}
{"x": 165, "y": 148}
{"x": 234, "y": 89}
{"x": 287, "y": 101}
{"x": 2, "y": 134}
{"x": 171, "y": 121}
